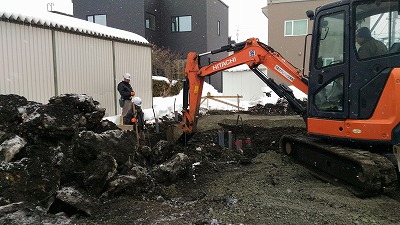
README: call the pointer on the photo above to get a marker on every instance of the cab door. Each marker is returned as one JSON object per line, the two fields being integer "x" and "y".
{"x": 329, "y": 65}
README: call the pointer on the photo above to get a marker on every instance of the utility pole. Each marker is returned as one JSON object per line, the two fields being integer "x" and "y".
{"x": 50, "y": 6}
{"x": 237, "y": 33}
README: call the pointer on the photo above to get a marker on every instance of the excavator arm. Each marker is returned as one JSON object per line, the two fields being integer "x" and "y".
{"x": 252, "y": 53}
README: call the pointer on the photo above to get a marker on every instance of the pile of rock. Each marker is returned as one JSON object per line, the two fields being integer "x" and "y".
{"x": 61, "y": 157}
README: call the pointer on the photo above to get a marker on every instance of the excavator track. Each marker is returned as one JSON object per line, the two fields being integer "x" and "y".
{"x": 363, "y": 172}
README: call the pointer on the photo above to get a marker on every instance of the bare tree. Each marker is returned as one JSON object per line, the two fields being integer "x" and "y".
{"x": 167, "y": 63}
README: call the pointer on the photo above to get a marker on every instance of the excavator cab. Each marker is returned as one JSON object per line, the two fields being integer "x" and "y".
{"x": 353, "y": 80}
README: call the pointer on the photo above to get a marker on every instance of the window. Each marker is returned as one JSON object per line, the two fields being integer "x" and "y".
{"x": 181, "y": 24}
{"x": 330, "y": 97}
{"x": 331, "y": 40}
{"x": 219, "y": 28}
{"x": 296, "y": 27}
{"x": 150, "y": 21}
{"x": 99, "y": 19}
{"x": 378, "y": 30}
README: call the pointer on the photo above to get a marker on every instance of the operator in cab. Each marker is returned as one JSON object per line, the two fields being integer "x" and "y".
{"x": 369, "y": 46}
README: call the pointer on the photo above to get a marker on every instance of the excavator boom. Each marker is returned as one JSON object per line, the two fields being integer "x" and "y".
{"x": 252, "y": 53}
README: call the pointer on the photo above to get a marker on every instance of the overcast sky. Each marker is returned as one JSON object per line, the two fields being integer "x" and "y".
{"x": 246, "y": 19}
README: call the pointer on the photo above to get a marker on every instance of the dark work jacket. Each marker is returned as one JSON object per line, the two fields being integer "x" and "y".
{"x": 371, "y": 48}
{"x": 125, "y": 90}
{"x": 139, "y": 117}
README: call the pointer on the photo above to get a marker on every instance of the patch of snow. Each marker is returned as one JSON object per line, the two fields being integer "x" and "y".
{"x": 11, "y": 147}
{"x": 160, "y": 78}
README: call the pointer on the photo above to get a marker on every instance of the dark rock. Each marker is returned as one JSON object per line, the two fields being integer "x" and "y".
{"x": 74, "y": 198}
{"x": 119, "y": 144}
{"x": 137, "y": 182}
{"x": 163, "y": 151}
{"x": 9, "y": 111}
{"x": 10, "y": 208}
{"x": 13, "y": 179}
{"x": 81, "y": 102}
{"x": 49, "y": 121}
{"x": 98, "y": 173}
{"x": 31, "y": 179}
{"x": 103, "y": 126}
{"x": 172, "y": 170}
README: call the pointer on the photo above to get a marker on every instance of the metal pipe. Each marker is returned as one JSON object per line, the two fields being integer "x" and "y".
{"x": 230, "y": 140}
{"x": 221, "y": 138}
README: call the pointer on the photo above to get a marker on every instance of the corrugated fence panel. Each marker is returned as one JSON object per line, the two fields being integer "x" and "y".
{"x": 26, "y": 63}
{"x": 85, "y": 66}
{"x": 136, "y": 60}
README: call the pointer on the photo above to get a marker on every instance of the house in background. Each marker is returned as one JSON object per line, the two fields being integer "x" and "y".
{"x": 46, "y": 54}
{"x": 288, "y": 26}
{"x": 179, "y": 25}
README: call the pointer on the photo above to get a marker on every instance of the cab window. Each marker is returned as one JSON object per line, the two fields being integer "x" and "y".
{"x": 377, "y": 32}
{"x": 331, "y": 40}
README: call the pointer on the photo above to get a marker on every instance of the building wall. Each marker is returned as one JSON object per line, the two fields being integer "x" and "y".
{"x": 244, "y": 83}
{"x": 184, "y": 42}
{"x": 291, "y": 48}
{"x": 154, "y": 36}
{"x": 217, "y": 11}
{"x": 135, "y": 60}
{"x": 26, "y": 62}
{"x": 40, "y": 63}
{"x": 122, "y": 14}
{"x": 85, "y": 66}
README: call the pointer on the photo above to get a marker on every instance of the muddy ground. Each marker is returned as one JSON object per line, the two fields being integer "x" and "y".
{"x": 259, "y": 185}
{"x": 61, "y": 164}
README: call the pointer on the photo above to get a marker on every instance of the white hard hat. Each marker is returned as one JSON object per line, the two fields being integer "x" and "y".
{"x": 137, "y": 101}
{"x": 127, "y": 76}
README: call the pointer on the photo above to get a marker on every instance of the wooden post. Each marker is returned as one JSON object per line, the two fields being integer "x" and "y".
{"x": 238, "y": 101}
{"x": 208, "y": 96}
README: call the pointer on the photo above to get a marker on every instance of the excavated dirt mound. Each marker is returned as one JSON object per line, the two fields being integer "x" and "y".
{"x": 61, "y": 165}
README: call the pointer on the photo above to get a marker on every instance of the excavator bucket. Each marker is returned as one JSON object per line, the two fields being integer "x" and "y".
{"x": 175, "y": 134}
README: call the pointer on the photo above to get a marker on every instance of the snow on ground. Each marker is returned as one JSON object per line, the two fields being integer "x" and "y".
{"x": 167, "y": 106}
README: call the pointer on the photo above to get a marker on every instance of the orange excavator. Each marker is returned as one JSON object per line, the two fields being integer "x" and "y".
{"x": 353, "y": 110}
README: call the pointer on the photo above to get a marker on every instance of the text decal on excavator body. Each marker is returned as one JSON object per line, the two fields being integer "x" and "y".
{"x": 284, "y": 73}
{"x": 224, "y": 63}
{"x": 196, "y": 89}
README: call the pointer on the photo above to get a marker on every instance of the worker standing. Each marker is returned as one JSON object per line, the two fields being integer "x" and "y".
{"x": 126, "y": 91}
